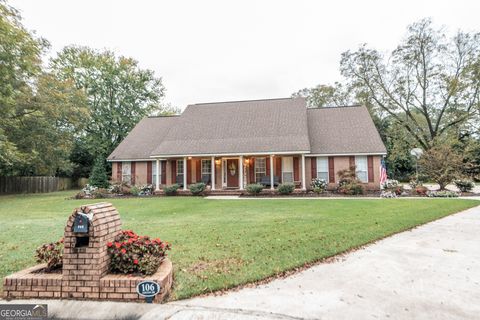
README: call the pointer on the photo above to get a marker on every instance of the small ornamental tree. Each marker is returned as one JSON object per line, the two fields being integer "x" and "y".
{"x": 441, "y": 164}
{"x": 98, "y": 177}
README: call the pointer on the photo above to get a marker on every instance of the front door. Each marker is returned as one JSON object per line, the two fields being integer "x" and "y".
{"x": 232, "y": 173}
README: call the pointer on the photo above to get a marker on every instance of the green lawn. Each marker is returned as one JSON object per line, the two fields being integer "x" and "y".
{"x": 220, "y": 243}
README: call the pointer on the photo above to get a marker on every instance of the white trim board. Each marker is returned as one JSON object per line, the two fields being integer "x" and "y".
{"x": 135, "y": 160}
{"x": 231, "y": 154}
{"x": 344, "y": 154}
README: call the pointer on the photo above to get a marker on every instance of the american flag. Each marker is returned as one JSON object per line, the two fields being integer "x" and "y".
{"x": 383, "y": 172}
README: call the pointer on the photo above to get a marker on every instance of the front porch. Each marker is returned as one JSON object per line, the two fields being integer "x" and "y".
{"x": 231, "y": 172}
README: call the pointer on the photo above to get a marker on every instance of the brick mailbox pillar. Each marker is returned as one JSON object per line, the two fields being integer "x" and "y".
{"x": 86, "y": 264}
{"x": 85, "y": 257}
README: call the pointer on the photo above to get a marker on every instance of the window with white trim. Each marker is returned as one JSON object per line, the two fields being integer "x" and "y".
{"x": 287, "y": 169}
{"x": 127, "y": 172}
{"x": 260, "y": 168}
{"x": 206, "y": 170}
{"x": 362, "y": 168}
{"x": 322, "y": 168}
{"x": 179, "y": 171}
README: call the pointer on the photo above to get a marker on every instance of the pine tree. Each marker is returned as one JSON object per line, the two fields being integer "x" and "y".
{"x": 98, "y": 177}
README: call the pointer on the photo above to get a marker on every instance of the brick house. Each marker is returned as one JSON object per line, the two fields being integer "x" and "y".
{"x": 231, "y": 144}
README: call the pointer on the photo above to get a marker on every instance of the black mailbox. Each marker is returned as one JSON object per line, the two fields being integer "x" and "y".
{"x": 80, "y": 225}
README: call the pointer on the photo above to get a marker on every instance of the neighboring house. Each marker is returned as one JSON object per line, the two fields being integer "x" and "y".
{"x": 241, "y": 142}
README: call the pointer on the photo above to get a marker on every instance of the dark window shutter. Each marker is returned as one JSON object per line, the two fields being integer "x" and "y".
{"x": 278, "y": 169}
{"x": 352, "y": 161}
{"x": 252, "y": 170}
{"x": 314, "y": 167}
{"x": 370, "y": 168}
{"x": 133, "y": 172}
{"x": 267, "y": 166}
{"x": 198, "y": 169}
{"x": 296, "y": 169}
{"x": 164, "y": 172}
{"x": 174, "y": 171}
{"x": 189, "y": 171}
{"x": 119, "y": 171}
{"x": 331, "y": 169}
{"x": 149, "y": 172}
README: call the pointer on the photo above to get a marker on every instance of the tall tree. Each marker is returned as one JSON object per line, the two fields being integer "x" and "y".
{"x": 45, "y": 135}
{"x": 430, "y": 83}
{"x": 20, "y": 63}
{"x": 327, "y": 95}
{"x": 119, "y": 93}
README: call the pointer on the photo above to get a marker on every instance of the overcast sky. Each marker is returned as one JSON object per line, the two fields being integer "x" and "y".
{"x": 237, "y": 50}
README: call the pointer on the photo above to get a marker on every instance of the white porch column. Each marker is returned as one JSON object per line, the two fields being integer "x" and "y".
{"x": 184, "y": 173}
{"x": 157, "y": 182}
{"x": 272, "y": 187}
{"x": 241, "y": 172}
{"x": 304, "y": 187}
{"x": 213, "y": 173}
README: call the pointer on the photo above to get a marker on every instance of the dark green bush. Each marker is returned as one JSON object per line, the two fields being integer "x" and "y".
{"x": 98, "y": 177}
{"x": 464, "y": 185}
{"x": 197, "y": 188}
{"x": 254, "y": 188}
{"x": 351, "y": 188}
{"x": 171, "y": 190}
{"x": 286, "y": 188}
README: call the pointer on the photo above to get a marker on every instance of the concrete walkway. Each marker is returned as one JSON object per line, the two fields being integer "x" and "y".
{"x": 431, "y": 272}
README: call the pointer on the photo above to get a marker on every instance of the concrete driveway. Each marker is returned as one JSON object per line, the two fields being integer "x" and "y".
{"x": 431, "y": 272}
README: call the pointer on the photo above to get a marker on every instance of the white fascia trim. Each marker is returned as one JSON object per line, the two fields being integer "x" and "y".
{"x": 133, "y": 160}
{"x": 229, "y": 154}
{"x": 346, "y": 154}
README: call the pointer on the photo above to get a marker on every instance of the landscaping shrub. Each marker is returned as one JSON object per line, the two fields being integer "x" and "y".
{"x": 134, "y": 254}
{"x": 390, "y": 184}
{"x": 286, "y": 188}
{"x": 442, "y": 194}
{"x": 464, "y": 185}
{"x": 254, "y": 188}
{"x": 197, "y": 188}
{"x": 348, "y": 182}
{"x": 388, "y": 194}
{"x": 414, "y": 183}
{"x": 319, "y": 185}
{"x": 146, "y": 190}
{"x": 171, "y": 190}
{"x": 421, "y": 190}
{"x": 393, "y": 186}
{"x": 351, "y": 188}
{"x": 135, "y": 191}
{"x": 51, "y": 254}
{"x": 120, "y": 188}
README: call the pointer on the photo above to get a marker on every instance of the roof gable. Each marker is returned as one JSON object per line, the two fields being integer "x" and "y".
{"x": 276, "y": 125}
{"x": 343, "y": 130}
{"x": 143, "y": 138}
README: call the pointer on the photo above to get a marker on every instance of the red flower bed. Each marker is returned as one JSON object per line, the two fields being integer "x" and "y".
{"x": 131, "y": 253}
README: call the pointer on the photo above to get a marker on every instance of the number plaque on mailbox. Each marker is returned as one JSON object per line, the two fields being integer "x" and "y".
{"x": 80, "y": 224}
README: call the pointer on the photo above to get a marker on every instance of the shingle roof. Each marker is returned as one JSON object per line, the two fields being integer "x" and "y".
{"x": 143, "y": 138}
{"x": 343, "y": 130}
{"x": 275, "y": 125}
{"x": 256, "y": 126}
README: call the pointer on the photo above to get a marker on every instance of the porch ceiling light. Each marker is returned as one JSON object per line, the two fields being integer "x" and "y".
{"x": 217, "y": 161}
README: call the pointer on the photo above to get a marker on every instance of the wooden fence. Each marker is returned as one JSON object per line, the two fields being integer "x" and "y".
{"x": 12, "y": 185}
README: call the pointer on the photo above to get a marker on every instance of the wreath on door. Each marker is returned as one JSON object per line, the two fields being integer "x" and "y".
{"x": 232, "y": 168}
